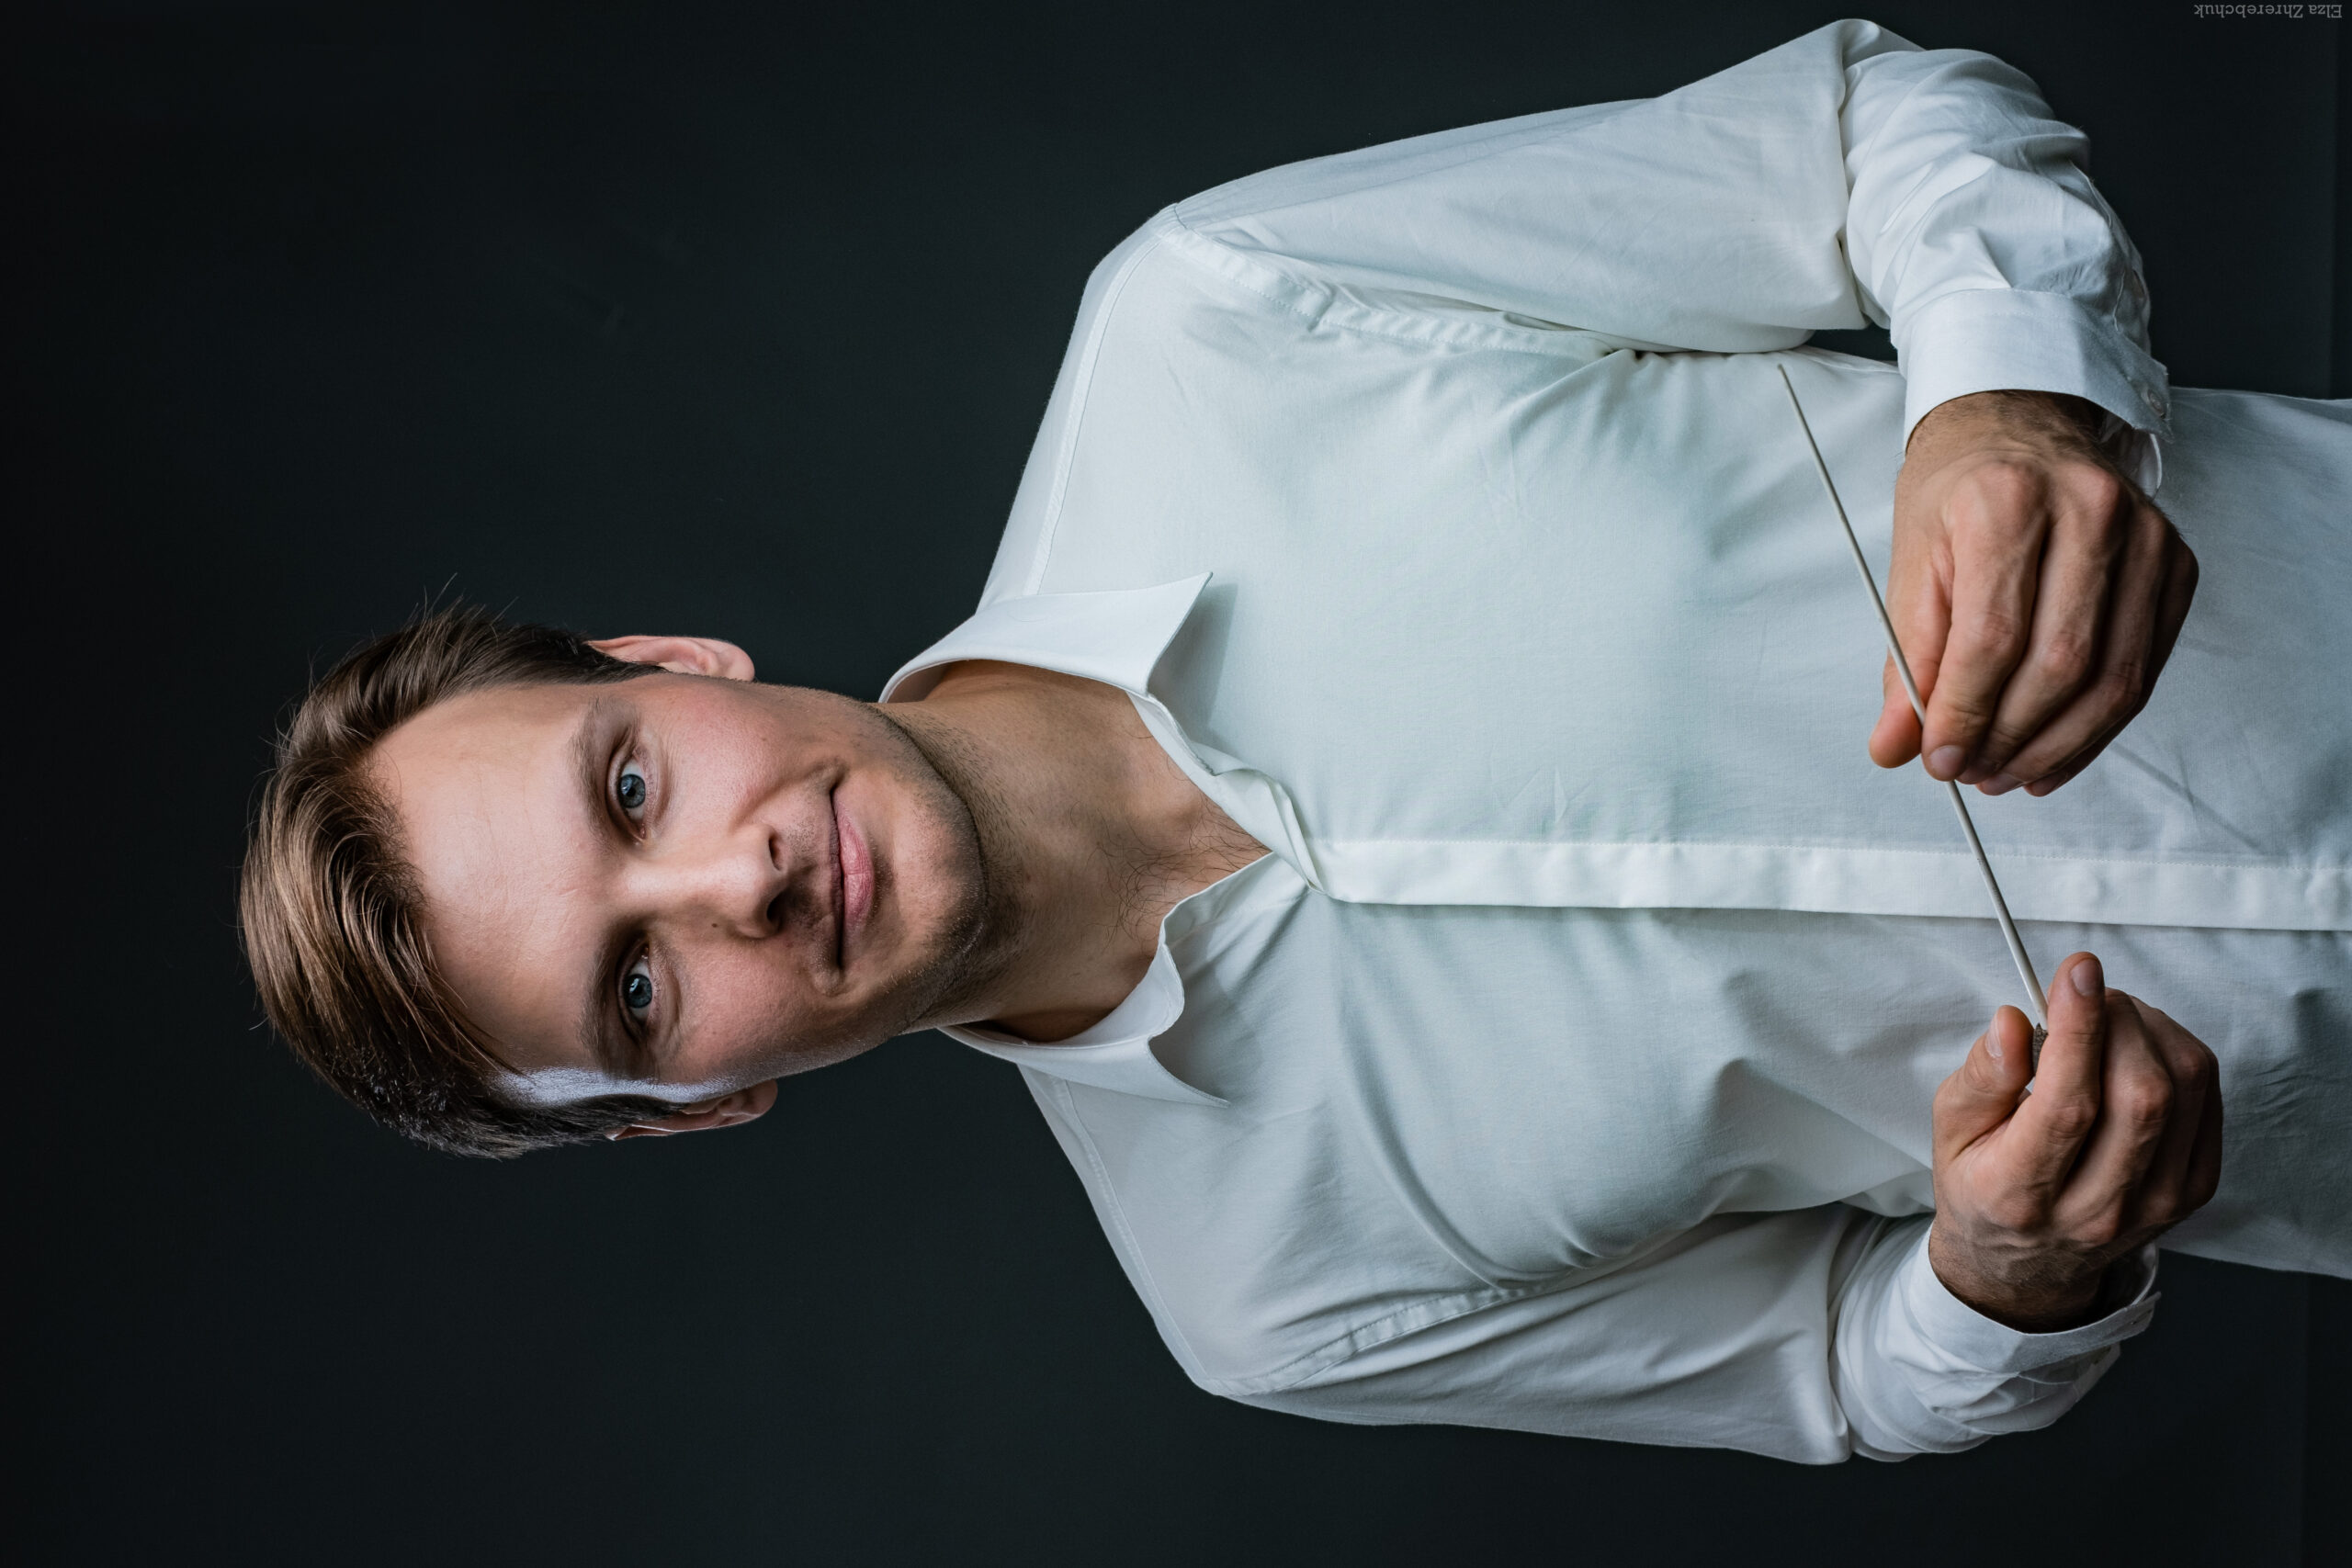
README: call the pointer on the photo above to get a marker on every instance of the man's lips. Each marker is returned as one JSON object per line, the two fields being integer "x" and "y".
{"x": 854, "y": 881}
{"x": 840, "y": 899}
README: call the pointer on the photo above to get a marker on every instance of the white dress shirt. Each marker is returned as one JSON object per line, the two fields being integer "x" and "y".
{"x": 1567, "y": 1064}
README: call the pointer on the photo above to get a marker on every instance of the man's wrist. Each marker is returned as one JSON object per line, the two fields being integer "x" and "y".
{"x": 2031, "y": 418}
{"x": 2044, "y": 1305}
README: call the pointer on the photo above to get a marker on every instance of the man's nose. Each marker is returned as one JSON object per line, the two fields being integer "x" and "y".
{"x": 740, "y": 882}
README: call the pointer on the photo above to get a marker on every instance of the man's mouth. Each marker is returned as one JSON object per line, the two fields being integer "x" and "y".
{"x": 854, "y": 871}
{"x": 852, "y": 885}
{"x": 841, "y": 900}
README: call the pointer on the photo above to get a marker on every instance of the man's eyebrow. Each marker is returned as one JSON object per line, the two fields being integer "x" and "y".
{"x": 620, "y": 1053}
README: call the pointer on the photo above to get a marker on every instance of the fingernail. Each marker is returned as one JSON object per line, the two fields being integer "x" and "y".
{"x": 1993, "y": 1042}
{"x": 1945, "y": 762}
{"x": 2088, "y": 981}
{"x": 1999, "y": 783}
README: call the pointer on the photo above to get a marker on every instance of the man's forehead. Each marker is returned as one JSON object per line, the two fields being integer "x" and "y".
{"x": 473, "y": 780}
{"x": 504, "y": 851}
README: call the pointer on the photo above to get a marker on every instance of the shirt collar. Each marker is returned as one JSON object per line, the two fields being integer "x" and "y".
{"x": 1116, "y": 1053}
{"x": 1114, "y": 636}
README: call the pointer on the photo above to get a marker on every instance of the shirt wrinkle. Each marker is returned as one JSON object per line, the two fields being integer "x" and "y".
{"x": 1572, "y": 1046}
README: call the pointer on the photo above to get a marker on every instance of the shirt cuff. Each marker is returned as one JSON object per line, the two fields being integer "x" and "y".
{"x": 1970, "y": 1338}
{"x": 1988, "y": 340}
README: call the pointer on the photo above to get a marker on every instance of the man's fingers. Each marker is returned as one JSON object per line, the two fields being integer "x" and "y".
{"x": 2180, "y": 590}
{"x": 2170, "y": 1192}
{"x": 1999, "y": 526}
{"x": 2110, "y": 1192}
{"x": 2205, "y": 1161}
{"x": 2181, "y": 573}
{"x": 1983, "y": 1092}
{"x": 2080, "y": 593}
{"x": 2083, "y": 758}
{"x": 2085, "y": 755}
{"x": 2051, "y": 1126}
{"x": 2135, "y": 641}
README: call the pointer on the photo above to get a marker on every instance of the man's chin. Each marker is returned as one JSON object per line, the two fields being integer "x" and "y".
{"x": 972, "y": 932}
{"x": 958, "y": 981}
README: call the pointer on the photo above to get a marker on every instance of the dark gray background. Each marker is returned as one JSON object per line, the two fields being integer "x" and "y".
{"x": 646, "y": 317}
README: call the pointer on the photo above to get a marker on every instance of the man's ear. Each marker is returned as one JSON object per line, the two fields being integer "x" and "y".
{"x": 682, "y": 655}
{"x": 727, "y": 1111}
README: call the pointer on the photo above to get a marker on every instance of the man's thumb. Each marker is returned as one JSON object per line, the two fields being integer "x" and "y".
{"x": 1894, "y": 738}
{"x": 2076, "y": 1053}
{"x": 2079, "y": 1001}
{"x": 1984, "y": 1091}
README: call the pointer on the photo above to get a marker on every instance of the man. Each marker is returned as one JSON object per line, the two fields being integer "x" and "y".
{"x": 1395, "y": 801}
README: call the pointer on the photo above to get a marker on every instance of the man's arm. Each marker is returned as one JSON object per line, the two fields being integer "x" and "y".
{"x": 1846, "y": 174}
{"x": 1824, "y": 1331}
{"x": 1809, "y": 1336}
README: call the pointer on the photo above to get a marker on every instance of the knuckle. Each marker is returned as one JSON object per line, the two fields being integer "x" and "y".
{"x": 2071, "y": 1117}
{"x": 1963, "y": 718}
{"x": 2003, "y": 485}
{"x": 2013, "y": 1212}
{"x": 2066, "y": 659}
{"x": 2143, "y": 1105}
{"x": 2003, "y": 736}
{"x": 2101, "y": 1228}
{"x": 2124, "y": 684}
{"x": 2000, "y": 748}
{"x": 1998, "y": 626}
{"x": 1995, "y": 636}
{"x": 1985, "y": 492}
{"x": 2100, "y": 489}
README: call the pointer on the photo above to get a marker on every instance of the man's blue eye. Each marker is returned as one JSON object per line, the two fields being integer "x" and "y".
{"x": 637, "y": 991}
{"x": 630, "y": 788}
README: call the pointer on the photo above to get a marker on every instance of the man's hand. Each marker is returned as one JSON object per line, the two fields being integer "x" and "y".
{"x": 2120, "y": 1140}
{"x": 2035, "y": 590}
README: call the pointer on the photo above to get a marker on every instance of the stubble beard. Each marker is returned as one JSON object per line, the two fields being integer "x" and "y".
{"x": 982, "y": 932}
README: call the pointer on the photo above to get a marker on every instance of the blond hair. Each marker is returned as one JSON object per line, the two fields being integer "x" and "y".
{"x": 330, "y": 912}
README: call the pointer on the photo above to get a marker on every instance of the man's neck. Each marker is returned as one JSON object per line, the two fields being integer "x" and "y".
{"x": 1089, "y": 832}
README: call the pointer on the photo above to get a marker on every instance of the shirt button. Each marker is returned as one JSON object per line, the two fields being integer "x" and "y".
{"x": 2155, "y": 404}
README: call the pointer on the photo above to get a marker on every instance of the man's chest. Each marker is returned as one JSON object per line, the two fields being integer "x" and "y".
{"x": 1484, "y": 598}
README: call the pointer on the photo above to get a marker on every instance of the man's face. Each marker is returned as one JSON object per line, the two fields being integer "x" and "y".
{"x": 704, "y": 882}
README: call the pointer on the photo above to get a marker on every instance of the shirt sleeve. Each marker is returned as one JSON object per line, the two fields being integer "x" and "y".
{"x": 1846, "y": 176}
{"x": 1808, "y": 1336}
